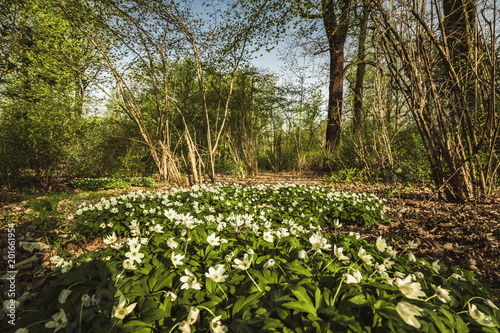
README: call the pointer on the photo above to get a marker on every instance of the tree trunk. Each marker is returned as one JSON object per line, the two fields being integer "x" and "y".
{"x": 360, "y": 74}
{"x": 249, "y": 149}
{"x": 336, "y": 33}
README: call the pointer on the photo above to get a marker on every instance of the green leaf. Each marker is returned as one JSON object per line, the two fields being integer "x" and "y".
{"x": 243, "y": 302}
{"x": 43, "y": 215}
{"x": 36, "y": 206}
{"x": 437, "y": 321}
{"x": 298, "y": 268}
{"x": 359, "y": 299}
{"x": 318, "y": 297}
{"x": 271, "y": 323}
{"x": 163, "y": 281}
{"x": 301, "y": 294}
{"x": 301, "y": 306}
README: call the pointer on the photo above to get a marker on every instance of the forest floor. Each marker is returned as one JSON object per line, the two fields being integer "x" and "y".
{"x": 464, "y": 235}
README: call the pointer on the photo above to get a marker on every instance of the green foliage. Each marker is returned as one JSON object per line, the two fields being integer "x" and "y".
{"x": 107, "y": 183}
{"x": 107, "y": 146}
{"x": 40, "y": 101}
{"x": 233, "y": 255}
{"x": 411, "y": 157}
{"x": 44, "y": 208}
{"x": 347, "y": 176}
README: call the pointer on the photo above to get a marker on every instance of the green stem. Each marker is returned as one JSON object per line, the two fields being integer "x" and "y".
{"x": 204, "y": 308}
{"x": 74, "y": 284}
{"x": 113, "y": 326}
{"x": 120, "y": 273}
{"x": 429, "y": 298}
{"x": 337, "y": 292}
{"x": 331, "y": 261}
{"x": 173, "y": 327}
{"x": 187, "y": 243}
{"x": 38, "y": 322}
{"x": 282, "y": 270}
{"x": 471, "y": 300}
{"x": 253, "y": 281}
{"x": 374, "y": 272}
{"x": 222, "y": 291}
{"x": 81, "y": 315}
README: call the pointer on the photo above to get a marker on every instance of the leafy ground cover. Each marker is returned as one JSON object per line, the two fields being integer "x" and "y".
{"x": 107, "y": 183}
{"x": 261, "y": 258}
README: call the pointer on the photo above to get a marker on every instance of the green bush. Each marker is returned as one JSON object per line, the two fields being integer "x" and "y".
{"x": 254, "y": 259}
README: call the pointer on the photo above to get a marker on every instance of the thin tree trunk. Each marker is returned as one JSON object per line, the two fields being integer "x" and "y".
{"x": 360, "y": 74}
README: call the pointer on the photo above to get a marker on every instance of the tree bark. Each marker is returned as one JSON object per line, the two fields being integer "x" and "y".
{"x": 360, "y": 74}
{"x": 336, "y": 32}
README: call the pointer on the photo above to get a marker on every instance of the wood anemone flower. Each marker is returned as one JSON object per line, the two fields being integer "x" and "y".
{"x": 121, "y": 311}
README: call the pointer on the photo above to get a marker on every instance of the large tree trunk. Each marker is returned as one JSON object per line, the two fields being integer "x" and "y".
{"x": 336, "y": 32}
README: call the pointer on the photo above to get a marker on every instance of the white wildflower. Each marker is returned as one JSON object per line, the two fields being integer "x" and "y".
{"x": 172, "y": 295}
{"x": 134, "y": 254}
{"x": 408, "y": 312}
{"x": 268, "y": 236}
{"x": 480, "y": 317}
{"x": 129, "y": 264}
{"x": 319, "y": 242}
{"x": 193, "y": 315}
{"x": 390, "y": 251}
{"x": 213, "y": 240}
{"x": 66, "y": 266}
{"x": 216, "y": 326}
{"x": 442, "y": 294}
{"x": 171, "y": 243}
{"x": 365, "y": 256}
{"x": 216, "y": 274}
{"x": 490, "y": 304}
{"x": 63, "y": 296}
{"x": 269, "y": 263}
{"x": 338, "y": 253}
{"x": 177, "y": 259}
{"x": 381, "y": 244}
{"x": 110, "y": 239}
{"x": 58, "y": 261}
{"x": 435, "y": 266}
{"x": 302, "y": 254}
{"x": 121, "y": 311}
{"x": 189, "y": 281}
{"x": 356, "y": 277}
{"x": 412, "y": 245}
{"x": 243, "y": 264}
{"x": 59, "y": 321}
{"x": 410, "y": 289}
